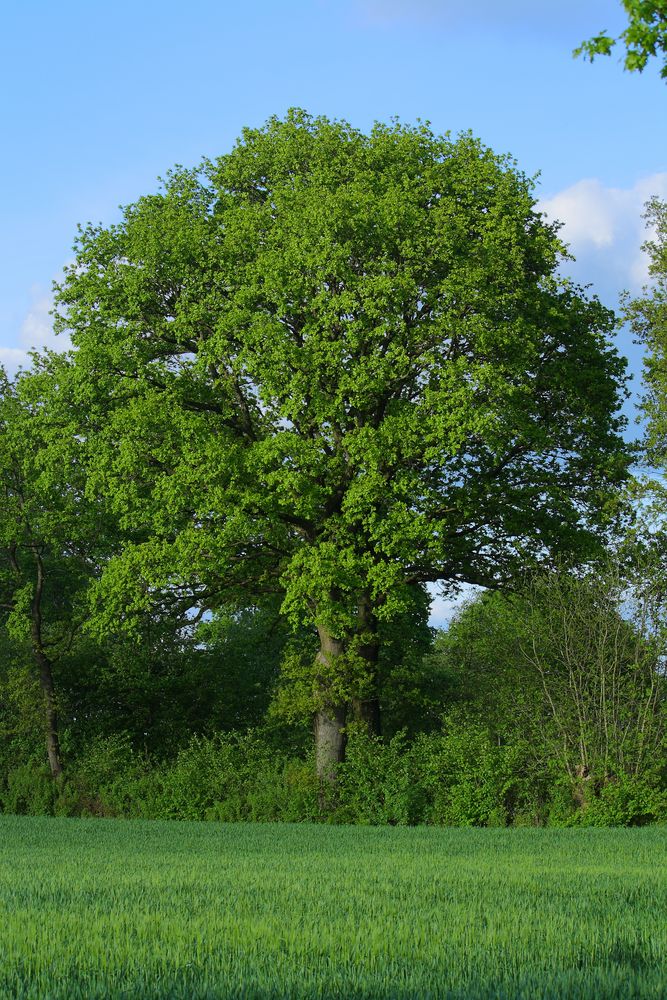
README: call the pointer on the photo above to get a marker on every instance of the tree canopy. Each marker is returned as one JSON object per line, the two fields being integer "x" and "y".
{"x": 337, "y": 366}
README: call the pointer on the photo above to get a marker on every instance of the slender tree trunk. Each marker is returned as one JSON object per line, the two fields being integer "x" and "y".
{"x": 51, "y": 714}
{"x": 45, "y": 668}
{"x": 330, "y": 719}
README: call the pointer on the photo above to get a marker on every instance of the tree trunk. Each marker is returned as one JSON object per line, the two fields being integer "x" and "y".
{"x": 45, "y": 673}
{"x": 329, "y": 742}
{"x": 52, "y": 737}
{"x": 330, "y": 719}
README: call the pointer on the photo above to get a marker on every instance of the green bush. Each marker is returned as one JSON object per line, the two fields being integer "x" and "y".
{"x": 234, "y": 777}
{"x": 459, "y": 773}
{"x": 467, "y": 779}
{"x": 29, "y": 790}
{"x": 624, "y": 801}
{"x": 103, "y": 770}
{"x": 376, "y": 783}
{"x": 460, "y": 776}
{"x": 456, "y": 777}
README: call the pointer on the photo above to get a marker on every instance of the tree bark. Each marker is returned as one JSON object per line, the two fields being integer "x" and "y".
{"x": 45, "y": 668}
{"x": 329, "y": 742}
{"x": 330, "y": 719}
{"x": 51, "y": 714}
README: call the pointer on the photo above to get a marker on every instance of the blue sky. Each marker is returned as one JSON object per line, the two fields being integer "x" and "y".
{"x": 100, "y": 98}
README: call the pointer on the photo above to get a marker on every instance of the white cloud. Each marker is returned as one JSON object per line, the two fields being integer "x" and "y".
{"x": 605, "y": 230}
{"x": 36, "y": 333}
{"x": 11, "y": 358}
{"x": 588, "y": 210}
{"x": 37, "y": 328}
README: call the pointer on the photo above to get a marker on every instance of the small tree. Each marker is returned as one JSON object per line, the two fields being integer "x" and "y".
{"x": 573, "y": 663}
{"x": 45, "y": 534}
{"x": 593, "y": 643}
{"x": 338, "y": 366}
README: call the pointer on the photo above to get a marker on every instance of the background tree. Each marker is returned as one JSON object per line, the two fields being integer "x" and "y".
{"x": 44, "y": 570}
{"x": 644, "y": 38}
{"x": 242, "y": 652}
{"x": 337, "y": 366}
{"x": 573, "y": 663}
{"x": 171, "y": 680}
{"x": 648, "y": 319}
{"x": 592, "y": 641}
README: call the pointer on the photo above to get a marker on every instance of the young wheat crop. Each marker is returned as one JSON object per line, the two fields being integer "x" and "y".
{"x": 105, "y": 908}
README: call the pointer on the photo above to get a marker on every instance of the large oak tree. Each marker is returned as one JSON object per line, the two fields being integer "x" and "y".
{"x": 338, "y": 366}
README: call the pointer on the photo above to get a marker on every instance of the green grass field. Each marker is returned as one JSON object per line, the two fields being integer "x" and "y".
{"x": 111, "y": 908}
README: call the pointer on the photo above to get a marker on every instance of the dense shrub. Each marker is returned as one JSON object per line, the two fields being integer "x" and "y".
{"x": 623, "y": 801}
{"x": 460, "y": 776}
{"x": 28, "y": 790}
{"x": 236, "y": 777}
{"x": 467, "y": 779}
{"x": 376, "y": 782}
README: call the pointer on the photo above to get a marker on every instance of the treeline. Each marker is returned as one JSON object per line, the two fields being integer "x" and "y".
{"x": 307, "y": 380}
{"x": 545, "y": 706}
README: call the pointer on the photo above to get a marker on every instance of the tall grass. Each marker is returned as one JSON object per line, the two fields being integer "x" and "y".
{"x": 105, "y": 908}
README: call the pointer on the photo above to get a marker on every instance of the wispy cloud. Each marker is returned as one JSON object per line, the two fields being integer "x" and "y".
{"x": 37, "y": 328}
{"x": 36, "y": 333}
{"x": 605, "y": 230}
{"x": 12, "y": 358}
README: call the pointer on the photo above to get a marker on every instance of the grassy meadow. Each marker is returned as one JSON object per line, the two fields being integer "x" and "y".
{"x": 111, "y": 908}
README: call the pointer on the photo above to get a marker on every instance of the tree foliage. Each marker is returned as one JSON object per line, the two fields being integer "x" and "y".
{"x": 44, "y": 565}
{"x": 573, "y": 663}
{"x": 648, "y": 317}
{"x": 644, "y": 38}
